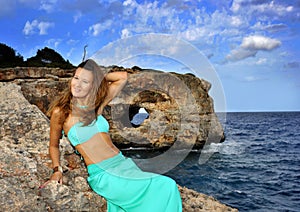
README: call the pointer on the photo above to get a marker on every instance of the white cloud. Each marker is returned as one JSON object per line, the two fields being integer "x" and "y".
{"x": 129, "y": 2}
{"x": 251, "y": 78}
{"x": 96, "y": 29}
{"x": 125, "y": 33}
{"x": 274, "y": 8}
{"x": 77, "y": 16}
{"x": 285, "y": 54}
{"x": 251, "y": 45}
{"x": 29, "y": 27}
{"x": 240, "y": 54}
{"x": 193, "y": 34}
{"x": 37, "y": 27}
{"x": 261, "y": 61}
{"x": 189, "y": 20}
{"x": 258, "y": 42}
{"x": 53, "y": 42}
{"x": 72, "y": 42}
{"x": 69, "y": 53}
{"x": 221, "y": 19}
{"x": 48, "y": 5}
{"x": 236, "y": 21}
{"x": 236, "y": 5}
{"x": 266, "y": 10}
{"x": 260, "y": 26}
{"x": 44, "y": 26}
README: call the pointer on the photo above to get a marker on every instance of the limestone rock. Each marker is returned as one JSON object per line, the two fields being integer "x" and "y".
{"x": 180, "y": 111}
{"x": 25, "y": 165}
{"x": 197, "y": 202}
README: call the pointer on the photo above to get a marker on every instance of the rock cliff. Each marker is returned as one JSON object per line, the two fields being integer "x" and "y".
{"x": 25, "y": 165}
{"x": 180, "y": 111}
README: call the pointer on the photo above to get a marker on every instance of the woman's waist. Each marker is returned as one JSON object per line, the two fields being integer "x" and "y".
{"x": 97, "y": 149}
{"x": 106, "y": 163}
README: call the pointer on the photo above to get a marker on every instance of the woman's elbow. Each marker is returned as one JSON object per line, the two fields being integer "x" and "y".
{"x": 124, "y": 75}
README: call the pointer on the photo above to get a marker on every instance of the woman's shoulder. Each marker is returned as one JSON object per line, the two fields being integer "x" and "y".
{"x": 58, "y": 114}
{"x": 57, "y": 111}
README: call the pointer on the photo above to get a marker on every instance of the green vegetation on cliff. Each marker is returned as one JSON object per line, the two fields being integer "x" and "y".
{"x": 9, "y": 58}
{"x": 45, "y": 57}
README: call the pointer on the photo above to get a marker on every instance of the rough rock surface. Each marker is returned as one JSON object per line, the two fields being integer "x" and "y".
{"x": 180, "y": 111}
{"x": 25, "y": 165}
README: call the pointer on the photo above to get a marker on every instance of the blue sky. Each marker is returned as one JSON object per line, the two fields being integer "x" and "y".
{"x": 252, "y": 45}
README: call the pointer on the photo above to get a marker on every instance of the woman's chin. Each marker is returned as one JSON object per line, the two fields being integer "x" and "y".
{"x": 76, "y": 95}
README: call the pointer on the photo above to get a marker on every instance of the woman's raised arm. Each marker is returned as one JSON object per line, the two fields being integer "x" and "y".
{"x": 117, "y": 81}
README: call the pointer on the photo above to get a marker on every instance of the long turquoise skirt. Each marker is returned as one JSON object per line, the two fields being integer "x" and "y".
{"x": 127, "y": 188}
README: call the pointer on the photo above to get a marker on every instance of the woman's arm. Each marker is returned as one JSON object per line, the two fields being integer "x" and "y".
{"x": 56, "y": 126}
{"x": 117, "y": 81}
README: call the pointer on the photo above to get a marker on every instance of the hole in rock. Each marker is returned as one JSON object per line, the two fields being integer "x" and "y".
{"x": 137, "y": 115}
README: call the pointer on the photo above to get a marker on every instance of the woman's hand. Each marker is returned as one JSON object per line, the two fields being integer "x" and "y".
{"x": 56, "y": 176}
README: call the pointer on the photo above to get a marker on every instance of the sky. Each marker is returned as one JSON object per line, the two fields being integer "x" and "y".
{"x": 247, "y": 49}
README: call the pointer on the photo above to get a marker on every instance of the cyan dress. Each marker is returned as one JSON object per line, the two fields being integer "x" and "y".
{"x": 119, "y": 180}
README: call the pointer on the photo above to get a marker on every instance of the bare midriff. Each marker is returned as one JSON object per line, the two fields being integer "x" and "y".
{"x": 97, "y": 148}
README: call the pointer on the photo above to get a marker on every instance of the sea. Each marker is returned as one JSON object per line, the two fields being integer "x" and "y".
{"x": 257, "y": 168}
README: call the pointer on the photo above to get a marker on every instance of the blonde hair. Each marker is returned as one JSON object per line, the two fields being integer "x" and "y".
{"x": 65, "y": 102}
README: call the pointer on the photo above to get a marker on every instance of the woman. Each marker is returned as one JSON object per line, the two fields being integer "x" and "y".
{"x": 77, "y": 114}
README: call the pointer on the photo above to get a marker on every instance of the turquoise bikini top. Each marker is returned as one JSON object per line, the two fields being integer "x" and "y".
{"x": 78, "y": 134}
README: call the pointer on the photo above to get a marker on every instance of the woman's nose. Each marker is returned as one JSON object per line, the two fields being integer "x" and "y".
{"x": 78, "y": 84}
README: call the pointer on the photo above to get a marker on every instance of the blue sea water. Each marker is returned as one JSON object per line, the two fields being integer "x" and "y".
{"x": 257, "y": 168}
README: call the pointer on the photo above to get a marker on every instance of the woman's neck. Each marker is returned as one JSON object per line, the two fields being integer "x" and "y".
{"x": 81, "y": 103}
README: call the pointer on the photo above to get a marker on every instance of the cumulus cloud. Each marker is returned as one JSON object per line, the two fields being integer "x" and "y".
{"x": 43, "y": 27}
{"x": 257, "y": 42}
{"x": 260, "y": 26}
{"x": 263, "y": 7}
{"x": 240, "y": 54}
{"x": 193, "y": 34}
{"x": 125, "y": 33}
{"x": 189, "y": 20}
{"x": 251, "y": 45}
{"x": 53, "y": 42}
{"x": 129, "y": 2}
{"x": 37, "y": 27}
{"x": 96, "y": 29}
{"x": 48, "y": 5}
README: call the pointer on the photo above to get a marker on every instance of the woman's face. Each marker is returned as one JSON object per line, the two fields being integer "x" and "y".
{"x": 81, "y": 83}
